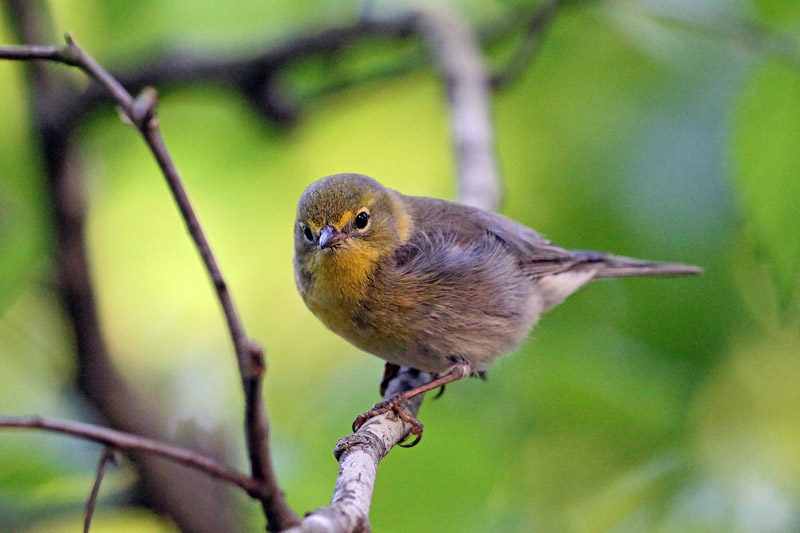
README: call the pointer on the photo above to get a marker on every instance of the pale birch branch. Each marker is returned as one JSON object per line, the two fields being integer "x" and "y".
{"x": 462, "y": 67}
{"x": 359, "y": 455}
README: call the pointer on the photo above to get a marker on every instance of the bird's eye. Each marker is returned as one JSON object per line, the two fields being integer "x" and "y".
{"x": 362, "y": 219}
{"x": 309, "y": 235}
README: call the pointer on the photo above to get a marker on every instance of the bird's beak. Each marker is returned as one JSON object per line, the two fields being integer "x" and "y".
{"x": 330, "y": 236}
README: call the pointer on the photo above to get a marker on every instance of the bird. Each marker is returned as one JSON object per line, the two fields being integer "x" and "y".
{"x": 431, "y": 284}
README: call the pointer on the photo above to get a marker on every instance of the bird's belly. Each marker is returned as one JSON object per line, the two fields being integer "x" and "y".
{"x": 432, "y": 338}
{"x": 431, "y": 333}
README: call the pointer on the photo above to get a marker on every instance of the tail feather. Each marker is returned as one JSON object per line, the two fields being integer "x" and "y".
{"x": 614, "y": 266}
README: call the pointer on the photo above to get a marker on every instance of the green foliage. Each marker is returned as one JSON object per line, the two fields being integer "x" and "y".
{"x": 767, "y": 166}
{"x": 642, "y": 128}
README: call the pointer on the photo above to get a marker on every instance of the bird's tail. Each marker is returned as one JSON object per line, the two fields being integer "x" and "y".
{"x": 615, "y": 266}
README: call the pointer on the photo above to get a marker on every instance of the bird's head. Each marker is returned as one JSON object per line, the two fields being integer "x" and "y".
{"x": 345, "y": 224}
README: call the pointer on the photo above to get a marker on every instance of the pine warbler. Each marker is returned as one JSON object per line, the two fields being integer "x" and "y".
{"x": 431, "y": 284}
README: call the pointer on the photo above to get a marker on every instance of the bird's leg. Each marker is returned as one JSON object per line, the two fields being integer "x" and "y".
{"x": 390, "y": 371}
{"x": 459, "y": 370}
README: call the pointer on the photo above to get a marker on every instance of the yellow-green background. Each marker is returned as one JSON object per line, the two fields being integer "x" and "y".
{"x": 659, "y": 129}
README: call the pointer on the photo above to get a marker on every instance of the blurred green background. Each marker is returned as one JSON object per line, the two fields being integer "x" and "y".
{"x": 661, "y": 129}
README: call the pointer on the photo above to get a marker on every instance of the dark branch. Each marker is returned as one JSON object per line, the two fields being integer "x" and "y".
{"x": 128, "y": 442}
{"x": 191, "y": 500}
{"x": 141, "y": 113}
{"x": 254, "y": 76}
{"x": 49, "y": 53}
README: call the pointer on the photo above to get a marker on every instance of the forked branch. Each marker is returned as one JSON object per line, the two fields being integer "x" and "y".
{"x": 141, "y": 112}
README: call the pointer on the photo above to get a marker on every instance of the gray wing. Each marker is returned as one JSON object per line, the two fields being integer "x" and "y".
{"x": 536, "y": 256}
{"x": 469, "y": 226}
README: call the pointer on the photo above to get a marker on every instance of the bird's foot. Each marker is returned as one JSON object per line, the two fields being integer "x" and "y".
{"x": 460, "y": 369}
{"x": 397, "y": 405}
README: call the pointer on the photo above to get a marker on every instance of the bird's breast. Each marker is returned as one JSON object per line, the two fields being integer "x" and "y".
{"x": 336, "y": 288}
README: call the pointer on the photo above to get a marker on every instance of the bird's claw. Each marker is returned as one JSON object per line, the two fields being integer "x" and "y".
{"x": 439, "y": 394}
{"x": 396, "y": 405}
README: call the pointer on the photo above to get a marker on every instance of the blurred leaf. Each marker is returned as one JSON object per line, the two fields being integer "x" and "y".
{"x": 24, "y": 233}
{"x": 748, "y": 427}
{"x": 767, "y": 166}
{"x": 633, "y": 496}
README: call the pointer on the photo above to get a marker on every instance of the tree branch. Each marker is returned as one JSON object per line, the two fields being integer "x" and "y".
{"x": 141, "y": 113}
{"x": 537, "y": 26}
{"x": 128, "y": 442}
{"x": 254, "y": 75}
{"x": 191, "y": 500}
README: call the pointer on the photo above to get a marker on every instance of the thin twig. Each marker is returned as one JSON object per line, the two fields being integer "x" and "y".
{"x": 141, "y": 113}
{"x": 127, "y": 442}
{"x": 108, "y": 457}
{"x": 536, "y": 28}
